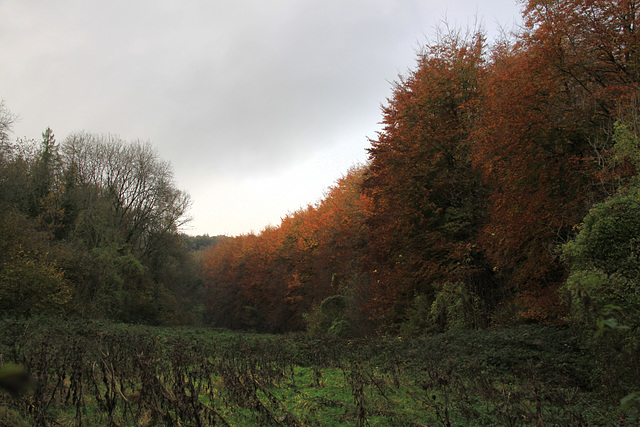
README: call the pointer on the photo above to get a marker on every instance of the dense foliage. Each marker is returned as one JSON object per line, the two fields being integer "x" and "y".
{"x": 90, "y": 227}
{"x": 489, "y": 159}
{"x": 268, "y": 281}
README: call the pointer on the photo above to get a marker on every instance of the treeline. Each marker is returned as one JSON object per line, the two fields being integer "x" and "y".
{"x": 501, "y": 189}
{"x": 268, "y": 281}
{"x": 90, "y": 227}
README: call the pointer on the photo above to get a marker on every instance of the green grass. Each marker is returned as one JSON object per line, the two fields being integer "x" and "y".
{"x": 100, "y": 373}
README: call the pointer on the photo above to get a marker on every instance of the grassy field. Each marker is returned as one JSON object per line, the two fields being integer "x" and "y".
{"x": 91, "y": 373}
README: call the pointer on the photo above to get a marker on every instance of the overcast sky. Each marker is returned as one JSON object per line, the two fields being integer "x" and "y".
{"x": 259, "y": 105}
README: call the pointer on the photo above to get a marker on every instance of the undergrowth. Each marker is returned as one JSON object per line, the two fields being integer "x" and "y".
{"x": 93, "y": 373}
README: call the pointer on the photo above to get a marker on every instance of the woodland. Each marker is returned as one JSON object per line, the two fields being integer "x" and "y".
{"x": 502, "y": 189}
{"x": 493, "y": 234}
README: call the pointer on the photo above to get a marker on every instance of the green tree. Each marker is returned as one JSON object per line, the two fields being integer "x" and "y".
{"x": 427, "y": 201}
{"x": 31, "y": 280}
{"x": 143, "y": 202}
{"x": 604, "y": 257}
{"x": 46, "y": 165}
{"x": 7, "y": 119}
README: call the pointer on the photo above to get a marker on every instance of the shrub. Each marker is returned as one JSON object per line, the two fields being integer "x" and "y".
{"x": 330, "y": 317}
{"x": 604, "y": 259}
{"x": 455, "y": 306}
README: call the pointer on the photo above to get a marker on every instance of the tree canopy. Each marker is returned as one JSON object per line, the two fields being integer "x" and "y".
{"x": 489, "y": 158}
{"x": 91, "y": 227}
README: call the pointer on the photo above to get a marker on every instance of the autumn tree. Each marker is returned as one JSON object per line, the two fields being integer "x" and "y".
{"x": 487, "y": 161}
{"x": 427, "y": 201}
{"x": 528, "y": 147}
{"x": 227, "y": 273}
{"x": 549, "y": 102}
{"x": 341, "y": 262}
{"x": 594, "y": 44}
{"x": 268, "y": 281}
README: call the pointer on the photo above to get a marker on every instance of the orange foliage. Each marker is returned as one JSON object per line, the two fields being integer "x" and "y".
{"x": 268, "y": 281}
{"x": 486, "y": 162}
{"x": 426, "y": 200}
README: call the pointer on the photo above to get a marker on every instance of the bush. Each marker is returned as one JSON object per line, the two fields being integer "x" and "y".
{"x": 455, "y": 306}
{"x": 330, "y": 317}
{"x": 604, "y": 259}
{"x": 418, "y": 317}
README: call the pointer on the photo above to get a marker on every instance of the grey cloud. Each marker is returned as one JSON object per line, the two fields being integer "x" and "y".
{"x": 227, "y": 90}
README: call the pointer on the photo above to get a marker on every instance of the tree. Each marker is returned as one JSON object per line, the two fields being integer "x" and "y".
{"x": 269, "y": 281}
{"x": 144, "y": 204}
{"x": 603, "y": 257}
{"x": 118, "y": 202}
{"x": 224, "y": 271}
{"x": 31, "y": 279}
{"x": 48, "y": 163}
{"x": 594, "y": 43}
{"x": 427, "y": 202}
{"x": 549, "y": 103}
{"x": 45, "y": 176}
{"x": 528, "y": 146}
{"x": 92, "y": 227}
{"x": 7, "y": 119}
{"x": 7, "y": 157}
